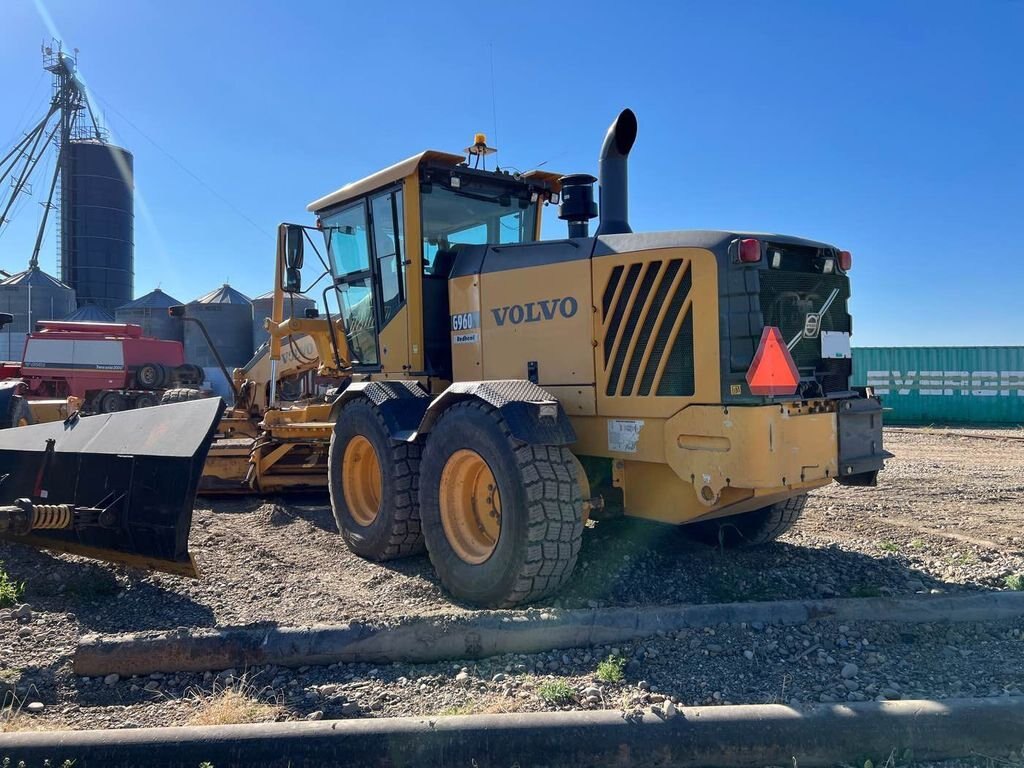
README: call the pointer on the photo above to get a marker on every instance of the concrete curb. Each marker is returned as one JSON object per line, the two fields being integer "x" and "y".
{"x": 492, "y": 633}
{"x": 728, "y": 736}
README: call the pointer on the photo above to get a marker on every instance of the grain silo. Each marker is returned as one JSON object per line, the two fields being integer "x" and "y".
{"x": 31, "y": 296}
{"x": 150, "y": 311}
{"x": 227, "y": 315}
{"x": 90, "y": 313}
{"x": 97, "y": 223}
{"x": 295, "y": 305}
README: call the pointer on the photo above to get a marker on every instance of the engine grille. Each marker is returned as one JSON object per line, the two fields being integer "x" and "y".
{"x": 787, "y": 298}
{"x": 648, "y": 330}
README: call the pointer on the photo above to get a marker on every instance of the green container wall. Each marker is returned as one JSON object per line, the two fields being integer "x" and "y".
{"x": 944, "y": 385}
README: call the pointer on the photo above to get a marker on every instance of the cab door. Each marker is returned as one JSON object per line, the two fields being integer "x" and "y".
{"x": 355, "y": 281}
{"x": 387, "y": 224}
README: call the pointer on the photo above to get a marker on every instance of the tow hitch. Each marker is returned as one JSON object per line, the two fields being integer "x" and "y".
{"x": 118, "y": 487}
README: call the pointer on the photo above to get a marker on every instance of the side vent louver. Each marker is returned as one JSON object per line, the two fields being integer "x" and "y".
{"x": 648, "y": 330}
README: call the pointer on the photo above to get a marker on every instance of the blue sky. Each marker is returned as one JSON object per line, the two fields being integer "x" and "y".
{"x": 893, "y": 130}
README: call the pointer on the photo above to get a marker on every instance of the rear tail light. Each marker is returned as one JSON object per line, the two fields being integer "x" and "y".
{"x": 773, "y": 371}
{"x": 750, "y": 250}
{"x": 845, "y": 260}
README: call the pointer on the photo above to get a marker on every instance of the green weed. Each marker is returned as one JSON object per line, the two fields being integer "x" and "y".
{"x": 888, "y": 546}
{"x": 1015, "y": 582}
{"x": 10, "y": 590}
{"x": 865, "y": 590}
{"x": 611, "y": 669}
{"x": 556, "y": 692}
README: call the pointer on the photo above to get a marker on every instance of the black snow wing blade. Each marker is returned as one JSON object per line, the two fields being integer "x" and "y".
{"x": 118, "y": 487}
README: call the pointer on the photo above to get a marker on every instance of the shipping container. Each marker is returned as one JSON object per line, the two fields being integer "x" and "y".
{"x": 944, "y": 385}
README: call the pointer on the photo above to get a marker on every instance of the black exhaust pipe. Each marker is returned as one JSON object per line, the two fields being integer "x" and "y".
{"x": 614, "y": 175}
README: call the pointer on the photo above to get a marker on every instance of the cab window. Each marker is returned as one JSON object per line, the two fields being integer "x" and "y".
{"x": 389, "y": 249}
{"x": 472, "y": 215}
{"x": 348, "y": 249}
{"x": 348, "y": 246}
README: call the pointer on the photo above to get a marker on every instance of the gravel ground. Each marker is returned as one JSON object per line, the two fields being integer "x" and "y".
{"x": 944, "y": 519}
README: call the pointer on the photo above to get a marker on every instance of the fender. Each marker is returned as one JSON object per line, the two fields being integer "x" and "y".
{"x": 532, "y": 414}
{"x": 401, "y": 404}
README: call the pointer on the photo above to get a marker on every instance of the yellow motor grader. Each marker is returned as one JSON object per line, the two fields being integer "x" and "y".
{"x": 491, "y": 390}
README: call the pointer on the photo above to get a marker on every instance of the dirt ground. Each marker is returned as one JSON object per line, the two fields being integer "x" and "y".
{"x": 944, "y": 518}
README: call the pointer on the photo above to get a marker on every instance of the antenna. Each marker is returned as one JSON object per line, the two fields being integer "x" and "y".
{"x": 494, "y": 105}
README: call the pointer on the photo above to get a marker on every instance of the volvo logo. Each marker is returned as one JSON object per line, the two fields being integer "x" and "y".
{"x": 812, "y": 325}
{"x": 812, "y": 322}
{"x": 535, "y": 311}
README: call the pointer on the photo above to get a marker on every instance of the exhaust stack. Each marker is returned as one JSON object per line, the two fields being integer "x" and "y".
{"x": 614, "y": 181}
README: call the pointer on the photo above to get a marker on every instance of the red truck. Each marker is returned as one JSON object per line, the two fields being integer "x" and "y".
{"x": 108, "y": 366}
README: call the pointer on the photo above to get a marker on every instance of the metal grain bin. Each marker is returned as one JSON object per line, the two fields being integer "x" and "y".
{"x": 263, "y": 307}
{"x": 150, "y": 311}
{"x": 31, "y": 296}
{"x": 945, "y": 385}
{"x": 97, "y": 221}
{"x": 227, "y": 315}
{"x": 90, "y": 313}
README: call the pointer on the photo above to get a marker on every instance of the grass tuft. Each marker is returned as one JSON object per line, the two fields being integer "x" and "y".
{"x": 10, "y": 590}
{"x": 888, "y": 546}
{"x": 1015, "y": 581}
{"x": 611, "y": 669}
{"x": 865, "y": 590}
{"x": 239, "y": 703}
{"x": 556, "y": 692}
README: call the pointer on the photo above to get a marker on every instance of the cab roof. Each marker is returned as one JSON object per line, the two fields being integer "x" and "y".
{"x": 406, "y": 167}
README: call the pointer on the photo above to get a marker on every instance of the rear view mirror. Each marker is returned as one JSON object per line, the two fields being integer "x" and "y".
{"x": 177, "y": 310}
{"x": 6, "y": 318}
{"x": 293, "y": 252}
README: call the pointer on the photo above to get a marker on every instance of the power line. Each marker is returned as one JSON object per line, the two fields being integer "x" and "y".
{"x": 182, "y": 166}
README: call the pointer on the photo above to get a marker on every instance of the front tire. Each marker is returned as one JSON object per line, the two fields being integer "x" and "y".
{"x": 502, "y": 521}
{"x": 373, "y": 482}
{"x": 750, "y": 529}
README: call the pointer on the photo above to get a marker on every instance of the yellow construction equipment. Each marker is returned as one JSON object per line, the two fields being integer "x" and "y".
{"x": 490, "y": 391}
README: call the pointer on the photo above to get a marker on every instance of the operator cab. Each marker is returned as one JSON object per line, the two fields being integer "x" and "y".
{"x": 391, "y": 243}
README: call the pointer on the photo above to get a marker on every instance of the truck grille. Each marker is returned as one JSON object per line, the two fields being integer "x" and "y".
{"x": 648, "y": 329}
{"x": 786, "y": 299}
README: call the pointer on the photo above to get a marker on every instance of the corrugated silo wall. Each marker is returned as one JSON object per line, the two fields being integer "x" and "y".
{"x": 98, "y": 224}
{"x": 944, "y": 385}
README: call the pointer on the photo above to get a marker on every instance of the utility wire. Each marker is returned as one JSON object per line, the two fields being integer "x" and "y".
{"x": 182, "y": 166}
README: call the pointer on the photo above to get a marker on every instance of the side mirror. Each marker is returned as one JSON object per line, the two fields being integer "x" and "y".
{"x": 178, "y": 310}
{"x": 293, "y": 253}
{"x": 6, "y": 318}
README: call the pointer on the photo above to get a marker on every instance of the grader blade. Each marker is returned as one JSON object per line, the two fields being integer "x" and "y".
{"x": 118, "y": 487}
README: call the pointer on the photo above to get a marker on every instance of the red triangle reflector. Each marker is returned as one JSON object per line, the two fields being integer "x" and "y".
{"x": 773, "y": 371}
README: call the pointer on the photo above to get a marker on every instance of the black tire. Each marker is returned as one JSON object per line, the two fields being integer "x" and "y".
{"x": 147, "y": 400}
{"x": 180, "y": 395}
{"x": 395, "y": 530}
{"x": 750, "y": 529}
{"x": 150, "y": 376}
{"x": 541, "y": 511}
{"x": 188, "y": 375}
{"x": 111, "y": 402}
{"x": 19, "y": 413}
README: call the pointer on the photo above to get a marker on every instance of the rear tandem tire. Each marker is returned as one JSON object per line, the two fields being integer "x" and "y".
{"x": 180, "y": 395}
{"x": 147, "y": 400}
{"x": 513, "y": 512}
{"x": 373, "y": 482}
{"x": 749, "y": 529}
{"x": 111, "y": 402}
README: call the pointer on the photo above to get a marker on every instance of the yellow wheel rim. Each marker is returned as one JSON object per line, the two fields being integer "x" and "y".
{"x": 361, "y": 480}
{"x": 470, "y": 506}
